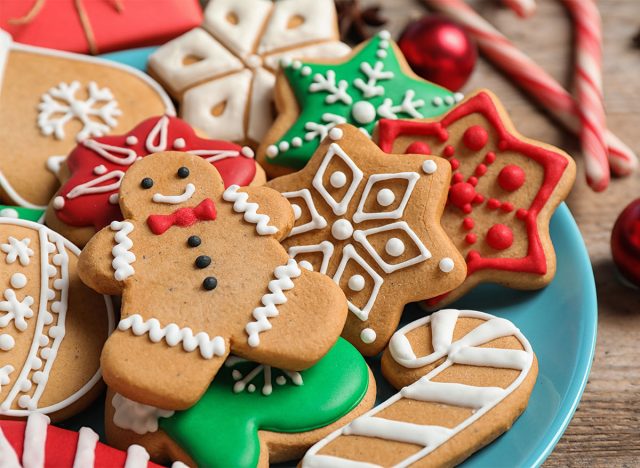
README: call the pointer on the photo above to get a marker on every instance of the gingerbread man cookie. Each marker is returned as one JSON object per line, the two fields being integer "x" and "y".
{"x": 202, "y": 274}
{"x": 371, "y": 221}
{"x": 504, "y": 189}
{"x": 52, "y": 327}
{"x": 465, "y": 376}
{"x": 374, "y": 82}
{"x": 260, "y": 415}
{"x": 50, "y": 100}
{"x": 91, "y": 175}
{"x": 223, "y": 72}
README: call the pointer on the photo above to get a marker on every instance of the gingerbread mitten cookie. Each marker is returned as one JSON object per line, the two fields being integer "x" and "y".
{"x": 372, "y": 222}
{"x": 504, "y": 189}
{"x": 466, "y": 376}
{"x": 260, "y": 415}
{"x": 50, "y": 100}
{"x": 52, "y": 327}
{"x": 202, "y": 274}
{"x": 37, "y": 443}
{"x": 91, "y": 175}
{"x": 223, "y": 72}
{"x": 374, "y": 82}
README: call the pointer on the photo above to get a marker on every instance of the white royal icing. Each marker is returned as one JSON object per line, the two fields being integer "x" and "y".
{"x": 86, "y": 448}
{"x": 284, "y": 275}
{"x": 35, "y": 438}
{"x": 466, "y": 350}
{"x": 243, "y": 382}
{"x": 17, "y": 250}
{"x": 136, "y": 417}
{"x": 174, "y": 335}
{"x": 189, "y": 190}
{"x": 123, "y": 257}
{"x": 137, "y": 457}
{"x": 249, "y": 210}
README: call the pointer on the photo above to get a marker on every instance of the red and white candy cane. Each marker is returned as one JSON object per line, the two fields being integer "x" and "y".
{"x": 523, "y": 8}
{"x": 531, "y": 77}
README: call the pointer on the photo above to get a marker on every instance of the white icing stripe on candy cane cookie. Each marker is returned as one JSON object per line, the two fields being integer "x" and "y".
{"x": 137, "y": 457}
{"x": 269, "y": 309}
{"x": 463, "y": 351}
{"x": 174, "y": 335}
{"x": 86, "y": 448}
{"x": 249, "y": 210}
{"x": 35, "y": 439}
{"x": 121, "y": 252}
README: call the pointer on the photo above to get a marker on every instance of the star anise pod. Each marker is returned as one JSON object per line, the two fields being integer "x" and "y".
{"x": 355, "y": 23}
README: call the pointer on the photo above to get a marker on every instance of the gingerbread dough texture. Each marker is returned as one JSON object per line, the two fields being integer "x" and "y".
{"x": 202, "y": 274}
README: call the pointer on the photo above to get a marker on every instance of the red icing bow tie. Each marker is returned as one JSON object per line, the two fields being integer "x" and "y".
{"x": 184, "y": 217}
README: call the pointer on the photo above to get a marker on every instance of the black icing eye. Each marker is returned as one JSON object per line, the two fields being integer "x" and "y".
{"x": 146, "y": 183}
{"x": 210, "y": 283}
{"x": 183, "y": 172}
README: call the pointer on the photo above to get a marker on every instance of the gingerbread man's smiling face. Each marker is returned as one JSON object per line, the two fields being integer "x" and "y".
{"x": 162, "y": 183}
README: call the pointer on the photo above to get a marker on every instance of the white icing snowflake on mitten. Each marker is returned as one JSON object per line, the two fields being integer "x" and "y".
{"x": 17, "y": 249}
{"x": 98, "y": 113}
{"x": 16, "y": 310}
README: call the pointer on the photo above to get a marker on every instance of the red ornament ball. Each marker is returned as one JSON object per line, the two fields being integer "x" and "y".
{"x": 440, "y": 51}
{"x": 499, "y": 237}
{"x": 625, "y": 242}
{"x": 511, "y": 177}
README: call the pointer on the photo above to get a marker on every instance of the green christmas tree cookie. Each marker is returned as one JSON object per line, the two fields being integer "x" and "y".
{"x": 18, "y": 212}
{"x": 375, "y": 82}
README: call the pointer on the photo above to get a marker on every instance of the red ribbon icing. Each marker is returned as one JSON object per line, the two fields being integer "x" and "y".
{"x": 183, "y": 217}
{"x": 86, "y": 165}
{"x": 463, "y": 195}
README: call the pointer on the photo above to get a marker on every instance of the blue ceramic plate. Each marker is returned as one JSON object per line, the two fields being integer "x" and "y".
{"x": 560, "y": 321}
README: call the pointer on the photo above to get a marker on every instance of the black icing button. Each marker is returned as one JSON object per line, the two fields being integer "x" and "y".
{"x": 194, "y": 241}
{"x": 210, "y": 283}
{"x": 146, "y": 183}
{"x": 183, "y": 172}
{"x": 203, "y": 261}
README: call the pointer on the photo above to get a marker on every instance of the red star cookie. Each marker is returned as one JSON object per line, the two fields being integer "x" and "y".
{"x": 372, "y": 222}
{"x": 504, "y": 189}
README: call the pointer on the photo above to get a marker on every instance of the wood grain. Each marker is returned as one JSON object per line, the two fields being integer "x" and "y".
{"x": 605, "y": 430}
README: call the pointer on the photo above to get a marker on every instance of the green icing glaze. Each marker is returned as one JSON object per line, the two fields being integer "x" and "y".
{"x": 221, "y": 430}
{"x": 362, "y": 102}
{"x": 18, "y": 212}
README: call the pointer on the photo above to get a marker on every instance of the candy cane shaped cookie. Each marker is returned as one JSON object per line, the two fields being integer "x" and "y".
{"x": 466, "y": 377}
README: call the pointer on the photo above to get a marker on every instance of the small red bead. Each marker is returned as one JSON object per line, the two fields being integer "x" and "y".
{"x": 475, "y": 137}
{"x": 418, "y": 147}
{"x": 507, "y": 207}
{"x": 461, "y": 194}
{"x": 472, "y": 180}
{"x": 448, "y": 151}
{"x": 471, "y": 238}
{"x": 511, "y": 177}
{"x": 493, "y": 203}
{"x": 478, "y": 198}
{"x": 521, "y": 213}
{"x": 455, "y": 164}
{"x": 481, "y": 170}
{"x": 468, "y": 223}
{"x": 490, "y": 157}
{"x": 457, "y": 177}
{"x": 499, "y": 237}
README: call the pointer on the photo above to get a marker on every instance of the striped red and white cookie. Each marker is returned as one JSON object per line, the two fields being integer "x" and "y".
{"x": 52, "y": 327}
{"x": 35, "y": 443}
{"x": 465, "y": 377}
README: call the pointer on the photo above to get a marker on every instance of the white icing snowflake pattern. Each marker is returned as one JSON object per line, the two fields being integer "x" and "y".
{"x": 244, "y": 382}
{"x": 15, "y": 310}
{"x": 5, "y": 371}
{"x": 98, "y": 112}
{"x": 17, "y": 250}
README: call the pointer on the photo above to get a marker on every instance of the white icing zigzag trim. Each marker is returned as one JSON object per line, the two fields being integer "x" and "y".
{"x": 249, "y": 210}
{"x": 135, "y": 416}
{"x": 282, "y": 283}
{"x": 173, "y": 335}
{"x": 122, "y": 255}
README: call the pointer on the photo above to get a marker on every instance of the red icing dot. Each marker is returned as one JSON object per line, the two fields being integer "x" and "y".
{"x": 511, "y": 177}
{"x": 499, "y": 237}
{"x": 478, "y": 199}
{"x": 481, "y": 170}
{"x": 475, "y": 137}
{"x": 443, "y": 134}
{"x": 457, "y": 177}
{"x": 503, "y": 145}
{"x": 455, "y": 164}
{"x": 468, "y": 223}
{"x": 448, "y": 151}
{"x": 493, "y": 203}
{"x": 473, "y": 255}
{"x": 471, "y": 238}
{"x": 418, "y": 147}
{"x": 473, "y": 180}
{"x": 521, "y": 213}
{"x": 507, "y": 207}
{"x": 461, "y": 195}
{"x": 490, "y": 157}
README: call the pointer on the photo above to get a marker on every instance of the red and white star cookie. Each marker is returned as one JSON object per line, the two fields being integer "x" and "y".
{"x": 504, "y": 189}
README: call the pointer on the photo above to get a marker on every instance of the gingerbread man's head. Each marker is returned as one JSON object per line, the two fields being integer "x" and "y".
{"x": 203, "y": 275}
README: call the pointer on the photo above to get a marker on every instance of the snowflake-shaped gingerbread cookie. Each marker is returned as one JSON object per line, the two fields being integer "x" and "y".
{"x": 371, "y": 221}
{"x": 202, "y": 275}
{"x": 374, "y": 82}
{"x": 504, "y": 189}
{"x": 224, "y": 72}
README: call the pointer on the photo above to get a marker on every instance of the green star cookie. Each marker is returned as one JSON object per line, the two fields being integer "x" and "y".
{"x": 374, "y": 82}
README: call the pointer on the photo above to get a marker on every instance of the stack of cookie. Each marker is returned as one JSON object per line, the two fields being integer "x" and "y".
{"x": 253, "y": 288}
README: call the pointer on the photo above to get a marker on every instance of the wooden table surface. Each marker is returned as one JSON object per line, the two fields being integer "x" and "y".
{"x": 605, "y": 430}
